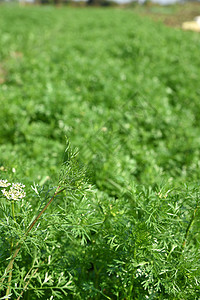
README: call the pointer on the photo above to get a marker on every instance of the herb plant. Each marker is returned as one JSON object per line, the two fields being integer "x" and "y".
{"x": 119, "y": 219}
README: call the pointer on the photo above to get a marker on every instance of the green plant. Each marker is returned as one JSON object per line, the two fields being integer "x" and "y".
{"x": 88, "y": 244}
{"x": 130, "y": 230}
{"x": 22, "y": 223}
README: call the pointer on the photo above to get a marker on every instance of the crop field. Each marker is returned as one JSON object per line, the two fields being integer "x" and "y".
{"x": 100, "y": 122}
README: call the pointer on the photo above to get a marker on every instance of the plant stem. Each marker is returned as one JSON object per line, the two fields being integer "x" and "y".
{"x": 33, "y": 273}
{"x": 11, "y": 248}
{"x": 18, "y": 246}
{"x": 13, "y": 210}
{"x": 190, "y": 225}
{"x": 43, "y": 210}
{"x": 9, "y": 282}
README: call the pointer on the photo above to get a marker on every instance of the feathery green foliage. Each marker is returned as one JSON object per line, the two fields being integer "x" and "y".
{"x": 119, "y": 218}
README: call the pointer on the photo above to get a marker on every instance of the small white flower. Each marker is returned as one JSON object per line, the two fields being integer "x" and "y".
{"x": 4, "y": 192}
{"x": 16, "y": 192}
{"x": 18, "y": 186}
{"x": 4, "y": 183}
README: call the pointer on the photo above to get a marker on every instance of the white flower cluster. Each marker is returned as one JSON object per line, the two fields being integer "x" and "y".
{"x": 4, "y": 183}
{"x": 15, "y": 192}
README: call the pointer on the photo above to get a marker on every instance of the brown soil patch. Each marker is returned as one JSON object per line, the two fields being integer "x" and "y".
{"x": 171, "y": 15}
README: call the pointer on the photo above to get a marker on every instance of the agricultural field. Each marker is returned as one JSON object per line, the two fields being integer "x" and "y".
{"x": 100, "y": 116}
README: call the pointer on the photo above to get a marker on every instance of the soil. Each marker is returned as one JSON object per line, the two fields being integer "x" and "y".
{"x": 171, "y": 15}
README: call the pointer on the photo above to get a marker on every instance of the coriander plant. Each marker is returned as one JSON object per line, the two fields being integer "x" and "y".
{"x": 33, "y": 223}
{"x": 71, "y": 241}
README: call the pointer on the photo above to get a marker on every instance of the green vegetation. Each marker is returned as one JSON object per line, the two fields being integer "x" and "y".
{"x": 123, "y": 219}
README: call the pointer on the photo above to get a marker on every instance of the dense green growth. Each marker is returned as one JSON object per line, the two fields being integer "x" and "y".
{"x": 125, "y": 92}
